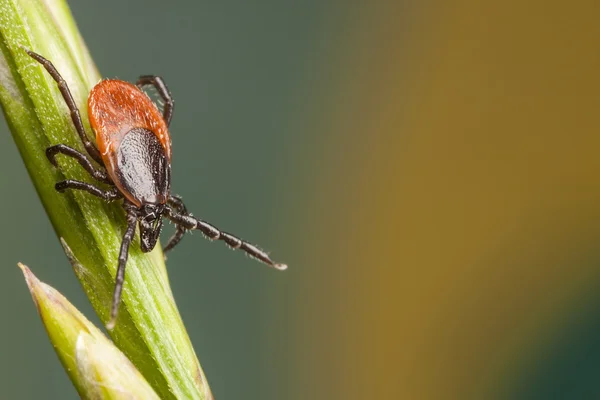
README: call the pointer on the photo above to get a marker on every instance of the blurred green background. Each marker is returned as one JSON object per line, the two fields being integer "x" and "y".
{"x": 428, "y": 170}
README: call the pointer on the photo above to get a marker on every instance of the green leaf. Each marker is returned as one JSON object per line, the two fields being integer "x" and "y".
{"x": 149, "y": 329}
{"x": 96, "y": 367}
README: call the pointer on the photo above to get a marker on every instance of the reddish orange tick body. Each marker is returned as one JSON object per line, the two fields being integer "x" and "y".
{"x": 134, "y": 160}
{"x": 133, "y": 140}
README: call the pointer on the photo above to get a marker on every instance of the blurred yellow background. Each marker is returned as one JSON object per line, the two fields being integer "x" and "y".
{"x": 457, "y": 217}
{"x": 428, "y": 170}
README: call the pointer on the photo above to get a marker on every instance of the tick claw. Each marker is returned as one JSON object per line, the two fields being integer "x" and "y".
{"x": 51, "y": 157}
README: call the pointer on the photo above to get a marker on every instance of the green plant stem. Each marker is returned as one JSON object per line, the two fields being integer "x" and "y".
{"x": 96, "y": 367}
{"x": 149, "y": 329}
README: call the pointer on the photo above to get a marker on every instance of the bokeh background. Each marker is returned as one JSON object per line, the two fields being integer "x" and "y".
{"x": 429, "y": 171}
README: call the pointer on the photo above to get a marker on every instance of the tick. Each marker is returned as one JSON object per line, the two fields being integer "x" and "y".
{"x": 133, "y": 154}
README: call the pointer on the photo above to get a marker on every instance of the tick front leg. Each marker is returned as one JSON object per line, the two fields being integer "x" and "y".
{"x": 175, "y": 239}
{"x": 180, "y": 208}
{"x": 212, "y": 232}
{"x": 81, "y": 158}
{"x": 120, "y": 277}
{"x": 108, "y": 195}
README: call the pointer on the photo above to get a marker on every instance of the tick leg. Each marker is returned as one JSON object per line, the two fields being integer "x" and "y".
{"x": 175, "y": 239}
{"x": 123, "y": 255}
{"x": 52, "y": 151}
{"x": 213, "y": 233}
{"x": 108, "y": 195}
{"x": 163, "y": 91}
{"x": 177, "y": 203}
{"x": 75, "y": 117}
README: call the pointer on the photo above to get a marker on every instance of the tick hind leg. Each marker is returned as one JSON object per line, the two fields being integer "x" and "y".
{"x": 212, "y": 232}
{"x": 81, "y": 158}
{"x": 163, "y": 91}
{"x": 66, "y": 94}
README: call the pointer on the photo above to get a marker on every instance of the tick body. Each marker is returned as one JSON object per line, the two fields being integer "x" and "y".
{"x": 133, "y": 140}
{"x": 133, "y": 155}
